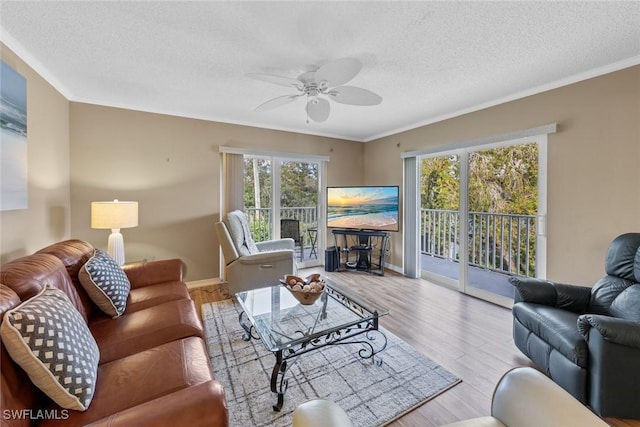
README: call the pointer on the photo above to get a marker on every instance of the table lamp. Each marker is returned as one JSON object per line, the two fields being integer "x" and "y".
{"x": 114, "y": 215}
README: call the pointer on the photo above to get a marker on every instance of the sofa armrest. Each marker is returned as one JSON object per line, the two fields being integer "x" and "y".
{"x": 613, "y": 329}
{"x": 568, "y": 297}
{"x": 275, "y": 245}
{"x": 142, "y": 274}
{"x": 533, "y": 290}
{"x": 199, "y": 405}
{"x": 266, "y": 257}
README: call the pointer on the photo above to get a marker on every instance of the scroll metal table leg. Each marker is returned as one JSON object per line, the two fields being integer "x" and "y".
{"x": 248, "y": 328}
{"x": 278, "y": 383}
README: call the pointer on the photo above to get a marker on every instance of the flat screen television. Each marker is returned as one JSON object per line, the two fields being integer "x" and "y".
{"x": 363, "y": 208}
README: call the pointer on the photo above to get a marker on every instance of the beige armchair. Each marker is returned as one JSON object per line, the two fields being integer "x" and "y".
{"x": 250, "y": 265}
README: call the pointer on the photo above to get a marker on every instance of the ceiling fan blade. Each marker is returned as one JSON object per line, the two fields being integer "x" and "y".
{"x": 338, "y": 72}
{"x": 318, "y": 109}
{"x": 276, "y": 102}
{"x": 354, "y": 96}
{"x": 279, "y": 80}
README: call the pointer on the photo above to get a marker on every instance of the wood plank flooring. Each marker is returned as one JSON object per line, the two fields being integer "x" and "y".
{"x": 469, "y": 337}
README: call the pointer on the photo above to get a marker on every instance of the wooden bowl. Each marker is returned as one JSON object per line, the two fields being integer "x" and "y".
{"x": 303, "y": 297}
{"x": 306, "y": 298}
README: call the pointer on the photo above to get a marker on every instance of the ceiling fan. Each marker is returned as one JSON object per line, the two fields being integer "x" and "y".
{"x": 325, "y": 81}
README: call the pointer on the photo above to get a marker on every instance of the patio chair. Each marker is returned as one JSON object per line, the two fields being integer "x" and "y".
{"x": 249, "y": 264}
{"x": 290, "y": 228}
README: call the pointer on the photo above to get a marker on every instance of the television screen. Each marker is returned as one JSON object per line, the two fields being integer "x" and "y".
{"x": 363, "y": 208}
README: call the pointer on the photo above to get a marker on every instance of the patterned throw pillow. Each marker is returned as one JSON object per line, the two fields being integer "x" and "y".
{"x": 50, "y": 341}
{"x": 106, "y": 283}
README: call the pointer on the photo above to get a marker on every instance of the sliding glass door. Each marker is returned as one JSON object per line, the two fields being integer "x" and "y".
{"x": 281, "y": 198}
{"x": 482, "y": 217}
{"x": 440, "y": 218}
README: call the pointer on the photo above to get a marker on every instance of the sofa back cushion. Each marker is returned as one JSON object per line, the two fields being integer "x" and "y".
{"x": 74, "y": 254}
{"x": 28, "y": 275}
{"x": 604, "y": 292}
{"x": 619, "y": 266}
{"x": 627, "y": 304}
{"x": 621, "y": 255}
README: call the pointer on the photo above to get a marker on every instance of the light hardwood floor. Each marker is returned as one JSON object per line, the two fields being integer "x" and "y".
{"x": 469, "y": 337}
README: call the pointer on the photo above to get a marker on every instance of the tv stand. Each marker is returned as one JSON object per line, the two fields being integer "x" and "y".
{"x": 370, "y": 248}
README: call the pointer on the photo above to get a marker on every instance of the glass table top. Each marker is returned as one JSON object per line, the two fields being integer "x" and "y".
{"x": 281, "y": 321}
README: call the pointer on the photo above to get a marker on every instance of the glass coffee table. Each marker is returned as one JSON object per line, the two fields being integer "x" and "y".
{"x": 289, "y": 329}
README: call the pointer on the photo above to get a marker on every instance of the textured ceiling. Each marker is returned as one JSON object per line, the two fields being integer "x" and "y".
{"x": 428, "y": 60}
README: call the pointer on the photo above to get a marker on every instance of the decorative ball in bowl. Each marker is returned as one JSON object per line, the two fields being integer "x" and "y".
{"x": 307, "y": 290}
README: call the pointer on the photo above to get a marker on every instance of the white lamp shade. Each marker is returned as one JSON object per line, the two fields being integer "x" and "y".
{"x": 114, "y": 215}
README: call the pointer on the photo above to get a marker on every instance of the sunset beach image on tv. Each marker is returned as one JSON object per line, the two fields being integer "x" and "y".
{"x": 364, "y": 208}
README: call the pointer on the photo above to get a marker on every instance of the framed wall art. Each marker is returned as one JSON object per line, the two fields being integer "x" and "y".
{"x": 13, "y": 139}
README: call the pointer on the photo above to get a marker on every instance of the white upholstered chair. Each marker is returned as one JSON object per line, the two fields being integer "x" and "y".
{"x": 250, "y": 265}
{"x": 524, "y": 397}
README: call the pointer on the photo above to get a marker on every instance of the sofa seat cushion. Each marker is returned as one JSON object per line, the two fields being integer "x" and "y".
{"x": 149, "y": 296}
{"x": 145, "y": 329}
{"x": 144, "y": 377}
{"x": 556, "y": 327}
{"x": 50, "y": 340}
{"x": 105, "y": 282}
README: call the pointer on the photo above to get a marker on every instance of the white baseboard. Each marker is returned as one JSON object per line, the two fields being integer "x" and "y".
{"x": 202, "y": 283}
{"x": 394, "y": 268}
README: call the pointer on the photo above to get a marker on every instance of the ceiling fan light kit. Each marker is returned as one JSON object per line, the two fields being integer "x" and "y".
{"x": 328, "y": 81}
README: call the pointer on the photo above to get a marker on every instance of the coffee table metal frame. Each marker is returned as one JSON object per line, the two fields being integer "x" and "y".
{"x": 359, "y": 328}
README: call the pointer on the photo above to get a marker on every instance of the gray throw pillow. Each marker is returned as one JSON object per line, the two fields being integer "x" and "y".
{"x": 106, "y": 283}
{"x": 49, "y": 340}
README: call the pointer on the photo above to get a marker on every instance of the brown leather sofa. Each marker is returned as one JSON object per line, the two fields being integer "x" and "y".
{"x": 154, "y": 366}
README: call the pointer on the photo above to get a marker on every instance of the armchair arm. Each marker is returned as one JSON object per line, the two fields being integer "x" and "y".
{"x": 275, "y": 245}
{"x": 569, "y": 297}
{"x": 200, "y": 405}
{"x": 266, "y": 257}
{"x": 142, "y": 274}
{"x": 613, "y": 329}
{"x": 533, "y": 290}
{"x": 525, "y": 391}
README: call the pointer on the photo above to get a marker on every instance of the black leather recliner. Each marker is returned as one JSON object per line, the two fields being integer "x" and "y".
{"x": 587, "y": 340}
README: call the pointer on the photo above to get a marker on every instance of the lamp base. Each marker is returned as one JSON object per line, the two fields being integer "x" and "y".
{"x": 115, "y": 247}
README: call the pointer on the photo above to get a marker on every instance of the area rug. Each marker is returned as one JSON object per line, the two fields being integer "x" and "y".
{"x": 372, "y": 395}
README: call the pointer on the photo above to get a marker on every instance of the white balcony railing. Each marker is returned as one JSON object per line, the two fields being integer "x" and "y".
{"x": 499, "y": 242}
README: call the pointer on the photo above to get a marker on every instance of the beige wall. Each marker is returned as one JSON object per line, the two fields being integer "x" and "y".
{"x": 171, "y": 166}
{"x": 593, "y": 179}
{"x": 47, "y": 218}
{"x": 79, "y": 153}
